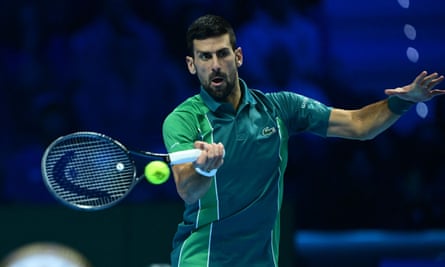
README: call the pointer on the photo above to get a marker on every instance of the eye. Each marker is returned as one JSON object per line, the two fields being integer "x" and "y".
{"x": 205, "y": 56}
{"x": 223, "y": 53}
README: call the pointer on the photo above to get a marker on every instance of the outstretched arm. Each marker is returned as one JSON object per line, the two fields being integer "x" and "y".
{"x": 371, "y": 120}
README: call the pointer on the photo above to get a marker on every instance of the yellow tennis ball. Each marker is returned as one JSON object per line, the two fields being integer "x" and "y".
{"x": 157, "y": 172}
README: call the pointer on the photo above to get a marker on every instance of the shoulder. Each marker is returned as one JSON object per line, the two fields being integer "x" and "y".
{"x": 282, "y": 100}
{"x": 179, "y": 128}
{"x": 192, "y": 106}
{"x": 285, "y": 96}
{"x": 186, "y": 115}
{"x": 294, "y": 101}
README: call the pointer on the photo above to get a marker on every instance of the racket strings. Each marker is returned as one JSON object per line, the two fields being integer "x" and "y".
{"x": 89, "y": 171}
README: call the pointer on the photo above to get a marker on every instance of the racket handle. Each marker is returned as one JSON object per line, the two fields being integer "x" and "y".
{"x": 184, "y": 156}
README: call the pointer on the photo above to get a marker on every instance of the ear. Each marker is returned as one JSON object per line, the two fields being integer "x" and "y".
{"x": 239, "y": 57}
{"x": 190, "y": 65}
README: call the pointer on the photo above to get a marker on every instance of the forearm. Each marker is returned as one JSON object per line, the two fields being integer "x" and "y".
{"x": 374, "y": 119}
{"x": 367, "y": 122}
{"x": 190, "y": 185}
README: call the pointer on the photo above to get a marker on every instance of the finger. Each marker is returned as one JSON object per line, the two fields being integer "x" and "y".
{"x": 437, "y": 92}
{"x": 427, "y": 80}
{"x": 211, "y": 156}
{"x": 431, "y": 76}
{"x": 221, "y": 153}
{"x": 200, "y": 145}
{"x": 436, "y": 81}
{"x": 221, "y": 150}
{"x": 202, "y": 159}
{"x": 215, "y": 156}
{"x": 211, "y": 152}
{"x": 419, "y": 78}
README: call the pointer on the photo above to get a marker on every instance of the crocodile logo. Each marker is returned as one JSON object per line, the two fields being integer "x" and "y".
{"x": 267, "y": 131}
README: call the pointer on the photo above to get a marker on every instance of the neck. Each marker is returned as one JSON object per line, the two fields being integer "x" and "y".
{"x": 235, "y": 97}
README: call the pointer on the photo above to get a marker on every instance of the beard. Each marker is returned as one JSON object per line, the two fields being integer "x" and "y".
{"x": 225, "y": 88}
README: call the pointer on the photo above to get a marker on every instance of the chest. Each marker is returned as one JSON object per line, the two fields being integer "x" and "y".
{"x": 252, "y": 136}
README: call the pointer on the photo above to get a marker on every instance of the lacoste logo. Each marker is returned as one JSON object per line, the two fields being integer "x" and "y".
{"x": 268, "y": 131}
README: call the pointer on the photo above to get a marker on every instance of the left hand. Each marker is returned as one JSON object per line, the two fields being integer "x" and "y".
{"x": 421, "y": 89}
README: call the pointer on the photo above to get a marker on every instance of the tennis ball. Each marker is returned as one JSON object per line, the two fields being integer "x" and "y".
{"x": 157, "y": 172}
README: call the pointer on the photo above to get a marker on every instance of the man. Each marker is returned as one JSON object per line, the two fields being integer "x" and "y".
{"x": 233, "y": 191}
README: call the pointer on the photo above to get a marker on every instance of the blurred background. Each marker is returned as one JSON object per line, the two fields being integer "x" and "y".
{"x": 117, "y": 67}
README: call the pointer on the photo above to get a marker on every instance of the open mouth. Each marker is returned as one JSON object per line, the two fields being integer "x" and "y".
{"x": 217, "y": 80}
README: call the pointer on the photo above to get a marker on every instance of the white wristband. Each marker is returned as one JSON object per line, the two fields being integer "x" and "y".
{"x": 210, "y": 173}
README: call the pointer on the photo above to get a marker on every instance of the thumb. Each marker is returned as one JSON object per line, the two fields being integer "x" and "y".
{"x": 396, "y": 91}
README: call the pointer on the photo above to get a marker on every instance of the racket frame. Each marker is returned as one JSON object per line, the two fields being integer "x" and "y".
{"x": 172, "y": 158}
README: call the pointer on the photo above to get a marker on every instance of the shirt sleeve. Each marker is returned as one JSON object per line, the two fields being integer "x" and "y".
{"x": 179, "y": 131}
{"x": 301, "y": 113}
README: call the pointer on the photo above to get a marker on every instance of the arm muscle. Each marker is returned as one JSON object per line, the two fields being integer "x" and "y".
{"x": 362, "y": 124}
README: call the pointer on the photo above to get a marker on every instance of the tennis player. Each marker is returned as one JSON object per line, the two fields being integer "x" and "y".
{"x": 233, "y": 191}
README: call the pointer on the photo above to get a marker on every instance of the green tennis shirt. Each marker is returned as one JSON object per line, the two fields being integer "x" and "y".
{"x": 237, "y": 222}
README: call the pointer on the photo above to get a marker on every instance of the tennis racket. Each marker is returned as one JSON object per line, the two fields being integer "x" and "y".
{"x": 91, "y": 171}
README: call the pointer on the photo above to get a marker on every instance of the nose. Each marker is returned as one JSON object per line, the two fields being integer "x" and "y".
{"x": 216, "y": 66}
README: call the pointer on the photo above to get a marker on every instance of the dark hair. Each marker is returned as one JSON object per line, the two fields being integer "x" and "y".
{"x": 209, "y": 26}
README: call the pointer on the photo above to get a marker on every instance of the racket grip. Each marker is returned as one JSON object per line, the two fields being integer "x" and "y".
{"x": 184, "y": 156}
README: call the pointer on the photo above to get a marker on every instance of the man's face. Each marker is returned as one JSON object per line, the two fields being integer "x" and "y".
{"x": 216, "y": 65}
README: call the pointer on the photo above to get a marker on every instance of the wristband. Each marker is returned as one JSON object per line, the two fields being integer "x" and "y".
{"x": 210, "y": 173}
{"x": 398, "y": 105}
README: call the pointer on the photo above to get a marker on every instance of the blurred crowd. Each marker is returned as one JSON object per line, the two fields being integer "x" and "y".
{"x": 117, "y": 67}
